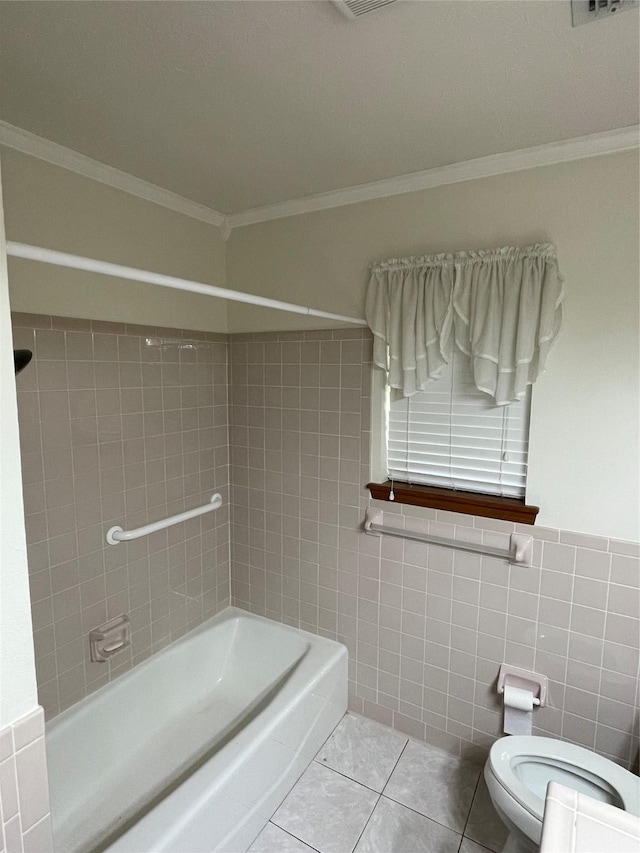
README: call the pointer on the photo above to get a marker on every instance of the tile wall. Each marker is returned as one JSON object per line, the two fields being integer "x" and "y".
{"x": 123, "y": 423}
{"x": 119, "y": 425}
{"x": 426, "y": 627}
{"x": 25, "y": 823}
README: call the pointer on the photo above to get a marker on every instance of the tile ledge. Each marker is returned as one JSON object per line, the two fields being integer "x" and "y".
{"x": 28, "y": 728}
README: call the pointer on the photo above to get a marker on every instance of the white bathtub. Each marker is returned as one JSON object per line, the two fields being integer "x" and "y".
{"x": 195, "y": 748}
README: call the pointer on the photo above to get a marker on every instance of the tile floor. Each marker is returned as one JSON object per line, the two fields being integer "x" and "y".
{"x": 372, "y": 790}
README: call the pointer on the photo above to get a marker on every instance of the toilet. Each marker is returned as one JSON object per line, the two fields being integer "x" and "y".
{"x": 517, "y": 772}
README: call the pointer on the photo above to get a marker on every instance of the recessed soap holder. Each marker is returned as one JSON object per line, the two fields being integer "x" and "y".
{"x": 109, "y": 639}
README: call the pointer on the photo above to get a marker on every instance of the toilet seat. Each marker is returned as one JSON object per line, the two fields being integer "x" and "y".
{"x": 508, "y": 753}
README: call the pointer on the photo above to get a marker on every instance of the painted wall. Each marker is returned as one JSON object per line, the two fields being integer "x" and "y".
{"x": 584, "y": 431}
{"x": 584, "y": 434}
{"x": 49, "y": 206}
{"x": 17, "y": 670}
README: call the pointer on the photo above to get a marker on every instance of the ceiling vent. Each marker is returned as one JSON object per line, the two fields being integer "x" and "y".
{"x": 585, "y": 11}
{"x": 353, "y": 9}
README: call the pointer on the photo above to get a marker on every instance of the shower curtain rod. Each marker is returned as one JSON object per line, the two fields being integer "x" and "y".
{"x": 62, "y": 259}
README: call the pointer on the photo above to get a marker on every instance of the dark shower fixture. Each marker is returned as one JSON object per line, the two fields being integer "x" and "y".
{"x": 21, "y": 358}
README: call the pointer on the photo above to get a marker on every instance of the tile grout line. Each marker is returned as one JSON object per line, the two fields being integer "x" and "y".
{"x": 310, "y": 846}
{"x": 384, "y": 787}
{"x": 420, "y": 814}
{"x": 397, "y": 802}
{"x": 344, "y": 776}
{"x": 382, "y": 794}
{"x": 379, "y": 793}
{"x": 598, "y": 724}
{"x": 391, "y": 799}
{"x": 475, "y": 792}
{"x": 367, "y": 823}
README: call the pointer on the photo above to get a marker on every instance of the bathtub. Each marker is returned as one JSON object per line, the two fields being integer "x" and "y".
{"x": 195, "y": 748}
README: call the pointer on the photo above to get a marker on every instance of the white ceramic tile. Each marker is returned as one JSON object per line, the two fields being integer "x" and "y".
{"x": 558, "y": 824}
{"x": 396, "y": 829}
{"x": 8, "y": 788}
{"x": 26, "y": 730}
{"x": 484, "y": 825}
{"x": 592, "y": 836}
{"x": 576, "y": 822}
{"x": 434, "y": 784}
{"x": 363, "y": 750}
{"x": 33, "y": 788}
{"x": 325, "y": 810}
{"x": 272, "y": 839}
{"x": 13, "y": 835}
{"x": 39, "y": 839}
{"x": 6, "y": 743}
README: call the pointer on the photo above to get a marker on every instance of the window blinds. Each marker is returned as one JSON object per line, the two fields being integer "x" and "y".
{"x": 453, "y": 436}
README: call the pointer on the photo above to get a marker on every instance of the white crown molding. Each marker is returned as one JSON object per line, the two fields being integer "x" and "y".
{"x": 596, "y": 144}
{"x": 58, "y": 155}
{"x": 578, "y": 148}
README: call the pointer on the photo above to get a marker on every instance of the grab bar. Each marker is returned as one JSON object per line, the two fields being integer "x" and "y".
{"x": 519, "y": 553}
{"x": 117, "y": 534}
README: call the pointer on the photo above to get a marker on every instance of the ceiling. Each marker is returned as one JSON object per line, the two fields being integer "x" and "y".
{"x": 238, "y": 104}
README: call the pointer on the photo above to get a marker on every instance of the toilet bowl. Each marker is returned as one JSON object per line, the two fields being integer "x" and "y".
{"x": 518, "y": 769}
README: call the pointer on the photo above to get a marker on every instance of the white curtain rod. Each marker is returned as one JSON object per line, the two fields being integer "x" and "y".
{"x": 62, "y": 259}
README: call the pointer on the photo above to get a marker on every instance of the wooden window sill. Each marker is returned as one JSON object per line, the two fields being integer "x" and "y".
{"x": 470, "y": 503}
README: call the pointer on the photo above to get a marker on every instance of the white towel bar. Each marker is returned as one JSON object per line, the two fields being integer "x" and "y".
{"x": 519, "y": 553}
{"x": 117, "y": 534}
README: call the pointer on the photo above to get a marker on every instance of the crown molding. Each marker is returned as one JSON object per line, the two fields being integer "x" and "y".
{"x": 58, "y": 155}
{"x": 578, "y": 148}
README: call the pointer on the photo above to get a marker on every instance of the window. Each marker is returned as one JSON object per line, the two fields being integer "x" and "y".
{"x": 453, "y": 435}
{"x": 460, "y": 444}
{"x": 451, "y": 447}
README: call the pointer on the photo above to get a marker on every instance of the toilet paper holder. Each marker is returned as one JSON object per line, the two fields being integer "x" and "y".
{"x": 513, "y": 676}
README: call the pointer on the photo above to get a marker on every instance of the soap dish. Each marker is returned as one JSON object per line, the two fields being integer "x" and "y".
{"x": 108, "y": 639}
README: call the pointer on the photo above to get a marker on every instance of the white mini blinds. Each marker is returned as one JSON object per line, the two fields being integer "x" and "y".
{"x": 502, "y": 307}
{"x": 453, "y": 436}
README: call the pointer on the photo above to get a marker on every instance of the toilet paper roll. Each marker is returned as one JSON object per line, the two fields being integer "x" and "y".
{"x": 518, "y": 711}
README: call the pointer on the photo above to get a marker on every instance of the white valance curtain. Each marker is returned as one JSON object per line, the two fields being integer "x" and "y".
{"x": 502, "y": 307}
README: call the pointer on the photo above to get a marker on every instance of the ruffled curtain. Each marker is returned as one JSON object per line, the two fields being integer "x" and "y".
{"x": 501, "y": 307}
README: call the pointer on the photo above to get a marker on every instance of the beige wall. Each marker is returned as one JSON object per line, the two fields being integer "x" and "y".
{"x": 17, "y": 670}
{"x": 584, "y": 434}
{"x": 49, "y": 206}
